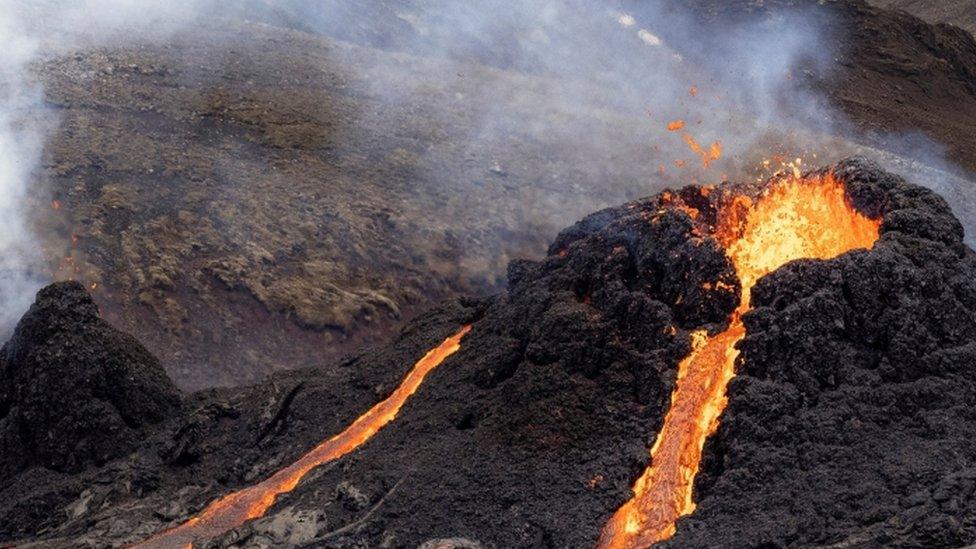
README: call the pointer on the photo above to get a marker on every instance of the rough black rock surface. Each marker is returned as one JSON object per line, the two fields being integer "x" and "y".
{"x": 219, "y": 441}
{"x": 73, "y": 390}
{"x": 842, "y": 428}
{"x": 850, "y": 422}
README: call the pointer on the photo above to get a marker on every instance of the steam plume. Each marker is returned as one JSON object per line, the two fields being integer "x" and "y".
{"x": 19, "y": 149}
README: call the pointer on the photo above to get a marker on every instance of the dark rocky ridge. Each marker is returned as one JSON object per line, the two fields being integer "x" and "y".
{"x": 531, "y": 435}
{"x": 73, "y": 390}
{"x": 894, "y": 75}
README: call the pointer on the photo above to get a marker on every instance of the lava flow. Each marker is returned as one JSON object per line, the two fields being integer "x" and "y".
{"x": 250, "y": 503}
{"x": 795, "y": 217}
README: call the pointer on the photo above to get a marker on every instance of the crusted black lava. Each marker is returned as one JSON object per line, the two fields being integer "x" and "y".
{"x": 73, "y": 390}
{"x": 74, "y": 393}
{"x": 850, "y": 421}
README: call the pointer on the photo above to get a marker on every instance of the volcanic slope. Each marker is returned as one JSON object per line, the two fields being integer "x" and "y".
{"x": 961, "y": 13}
{"x": 289, "y": 208}
{"x": 855, "y": 377}
{"x": 895, "y": 76}
{"x": 247, "y": 199}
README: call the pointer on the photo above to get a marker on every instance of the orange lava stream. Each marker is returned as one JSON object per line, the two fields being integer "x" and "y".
{"x": 794, "y": 218}
{"x": 250, "y": 503}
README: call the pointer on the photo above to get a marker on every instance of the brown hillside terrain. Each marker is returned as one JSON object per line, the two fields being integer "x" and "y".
{"x": 246, "y": 202}
{"x": 282, "y": 215}
{"x": 961, "y": 13}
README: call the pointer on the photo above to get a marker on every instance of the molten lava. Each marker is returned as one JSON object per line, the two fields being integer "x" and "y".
{"x": 250, "y": 503}
{"x": 676, "y": 125}
{"x": 793, "y": 218}
{"x": 713, "y": 153}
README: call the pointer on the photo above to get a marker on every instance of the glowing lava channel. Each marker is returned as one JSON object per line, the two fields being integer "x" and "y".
{"x": 794, "y": 218}
{"x": 250, "y": 503}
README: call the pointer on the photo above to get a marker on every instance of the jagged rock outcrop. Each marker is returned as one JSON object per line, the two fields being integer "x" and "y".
{"x": 73, "y": 390}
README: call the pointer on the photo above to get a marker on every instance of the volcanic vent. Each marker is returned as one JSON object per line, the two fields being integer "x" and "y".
{"x": 577, "y": 410}
{"x": 792, "y": 217}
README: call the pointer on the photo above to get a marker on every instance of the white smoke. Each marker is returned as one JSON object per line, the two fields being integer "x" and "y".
{"x": 20, "y": 146}
{"x": 744, "y": 85}
{"x": 28, "y": 30}
{"x": 655, "y": 64}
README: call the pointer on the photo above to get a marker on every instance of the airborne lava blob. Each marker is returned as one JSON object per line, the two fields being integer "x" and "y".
{"x": 250, "y": 503}
{"x": 795, "y": 217}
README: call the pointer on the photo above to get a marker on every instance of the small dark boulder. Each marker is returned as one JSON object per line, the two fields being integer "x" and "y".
{"x": 73, "y": 390}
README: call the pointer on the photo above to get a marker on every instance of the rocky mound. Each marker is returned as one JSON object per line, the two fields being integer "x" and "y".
{"x": 855, "y": 380}
{"x": 73, "y": 390}
{"x": 848, "y": 423}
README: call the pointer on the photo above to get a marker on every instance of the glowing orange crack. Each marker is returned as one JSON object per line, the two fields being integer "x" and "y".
{"x": 250, "y": 503}
{"x": 794, "y": 218}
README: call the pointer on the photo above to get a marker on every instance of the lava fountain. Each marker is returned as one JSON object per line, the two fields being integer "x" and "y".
{"x": 793, "y": 218}
{"x": 250, "y": 503}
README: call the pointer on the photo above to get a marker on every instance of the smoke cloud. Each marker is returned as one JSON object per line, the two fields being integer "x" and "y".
{"x": 19, "y": 149}
{"x": 655, "y": 62}
{"x": 29, "y": 31}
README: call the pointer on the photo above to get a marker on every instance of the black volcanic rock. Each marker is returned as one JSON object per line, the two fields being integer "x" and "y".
{"x": 73, "y": 390}
{"x": 850, "y": 421}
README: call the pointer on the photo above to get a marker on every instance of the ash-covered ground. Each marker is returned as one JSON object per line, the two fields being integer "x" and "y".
{"x": 848, "y": 423}
{"x": 961, "y": 13}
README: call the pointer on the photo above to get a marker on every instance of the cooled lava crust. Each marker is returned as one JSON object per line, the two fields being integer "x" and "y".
{"x": 851, "y": 419}
{"x": 73, "y": 390}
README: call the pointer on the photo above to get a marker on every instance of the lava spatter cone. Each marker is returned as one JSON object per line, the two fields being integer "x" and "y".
{"x": 792, "y": 217}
